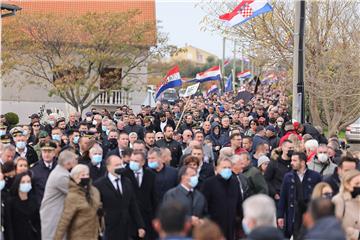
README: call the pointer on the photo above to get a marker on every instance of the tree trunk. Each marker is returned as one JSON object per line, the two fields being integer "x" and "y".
{"x": 314, "y": 110}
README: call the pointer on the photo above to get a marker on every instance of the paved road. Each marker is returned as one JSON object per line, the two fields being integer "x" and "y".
{"x": 355, "y": 146}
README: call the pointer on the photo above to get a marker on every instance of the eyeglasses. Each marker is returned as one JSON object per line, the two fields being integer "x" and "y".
{"x": 36, "y": 125}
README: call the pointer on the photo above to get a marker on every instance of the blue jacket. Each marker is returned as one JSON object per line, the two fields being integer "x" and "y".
{"x": 289, "y": 204}
{"x": 328, "y": 228}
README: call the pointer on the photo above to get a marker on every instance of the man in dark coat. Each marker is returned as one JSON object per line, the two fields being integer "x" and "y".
{"x": 119, "y": 202}
{"x": 295, "y": 194}
{"x": 188, "y": 124}
{"x": 122, "y": 144}
{"x": 223, "y": 197}
{"x": 143, "y": 182}
{"x": 23, "y": 149}
{"x": 171, "y": 144}
{"x": 166, "y": 176}
{"x": 186, "y": 194}
{"x": 205, "y": 170}
{"x": 133, "y": 127}
{"x": 41, "y": 169}
{"x": 162, "y": 121}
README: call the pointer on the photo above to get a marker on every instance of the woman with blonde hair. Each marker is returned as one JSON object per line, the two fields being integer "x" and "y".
{"x": 347, "y": 204}
{"x": 322, "y": 190}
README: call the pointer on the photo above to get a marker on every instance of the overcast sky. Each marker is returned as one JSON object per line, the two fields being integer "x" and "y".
{"x": 181, "y": 19}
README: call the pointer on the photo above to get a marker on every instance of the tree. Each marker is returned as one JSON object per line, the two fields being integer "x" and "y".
{"x": 77, "y": 54}
{"x": 332, "y": 37}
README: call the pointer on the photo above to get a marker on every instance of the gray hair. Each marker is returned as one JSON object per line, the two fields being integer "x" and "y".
{"x": 260, "y": 208}
{"x": 155, "y": 150}
{"x": 9, "y": 147}
{"x": 311, "y": 144}
{"x": 75, "y": 172}
{"x": 94, "y": 148}
{"x": 235, "y": 158}
{"x": 66, "y": 156}
{"x": 133, "y": 134}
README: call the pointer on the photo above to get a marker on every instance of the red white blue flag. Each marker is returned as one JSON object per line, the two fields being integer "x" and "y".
{"x": 211, "y": 74}
{"x": 246, "y": 10}
{"x": 244, "y": 74}
{"x": 171, "y": 80}
{"x": 213, "y": 89}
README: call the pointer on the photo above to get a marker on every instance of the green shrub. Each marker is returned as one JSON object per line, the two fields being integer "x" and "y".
{"x": 12, "y": 119}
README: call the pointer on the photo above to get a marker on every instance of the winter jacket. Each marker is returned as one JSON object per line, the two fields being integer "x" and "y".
{"x": 79, "y": 220}
{"x": 135, "y": 128}
{"x": 348, "y": 210}
{"x": 324, "y": 169}
{"x": 217, "y": 140}
{"x": 175, "y": 149}
{"x": 327, "y": 228}
{"x": 274, "y": 174}
{"x": 256, "y": 180}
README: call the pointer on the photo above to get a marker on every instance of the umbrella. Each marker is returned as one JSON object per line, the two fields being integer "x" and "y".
{"x": 245, "y": 95}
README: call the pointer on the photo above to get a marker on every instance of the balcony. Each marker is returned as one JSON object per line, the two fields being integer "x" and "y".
{"x": 113, "y": 98}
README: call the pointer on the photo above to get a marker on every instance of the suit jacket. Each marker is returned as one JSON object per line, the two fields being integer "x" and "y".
{"x": 145, "y": 196}
{"x": 157, "y": 127}
{"x": 206, "y": 171}
{"x": 194, "y": 203}
{"x": 118, "y": 208}
{"x": 52, "y": 204}
{"x": 31, "y": 155}
{"x": 166, "y": 179}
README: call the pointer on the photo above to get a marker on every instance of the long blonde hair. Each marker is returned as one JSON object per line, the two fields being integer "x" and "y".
{"x": 346, "y": 178}
{"x": 317, "y": 192}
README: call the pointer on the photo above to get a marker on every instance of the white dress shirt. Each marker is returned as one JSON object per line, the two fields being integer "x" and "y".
{"x": 113, "y": 179}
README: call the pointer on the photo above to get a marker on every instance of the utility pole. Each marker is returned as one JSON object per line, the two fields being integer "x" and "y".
{"x": 298, "y": 108}
{"x": 242, "y": 64}
{"x": 223, "y": 68}
{"x": 234, "y": 68}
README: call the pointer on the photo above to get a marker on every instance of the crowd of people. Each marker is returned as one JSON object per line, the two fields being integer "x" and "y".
{"x": 230, "y": 168}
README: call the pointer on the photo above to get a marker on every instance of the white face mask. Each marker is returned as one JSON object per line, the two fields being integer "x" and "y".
{"x": 323, "y": 157}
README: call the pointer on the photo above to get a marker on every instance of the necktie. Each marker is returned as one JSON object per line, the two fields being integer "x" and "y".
{"x": 117, "y": 185}
{"x": 191, "y": 195}
{"x": 137, "y": 175}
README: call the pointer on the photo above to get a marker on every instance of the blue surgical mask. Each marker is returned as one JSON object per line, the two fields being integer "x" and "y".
{"x": 245, "y": 228}
{"x": 103, "y": 128}
{"x": 2, "y": 184}
{"x": 56, "y": 137}
{"x": 52, "y": 123}
{"x": 107, "y": 131}
{"x": 226, "y": 173}
{"x": 153, "y": 165}
{"x": 76, "y": 139}
{"x": 25, "y": 187}
{"x": 2, "y": 132}
{"x": 96, "y": 159}
{"x": 194, "y": 180}
{"x": 25, "y": 132}
{"x": 20, "y": 145}
{"x": 134, "y": 166}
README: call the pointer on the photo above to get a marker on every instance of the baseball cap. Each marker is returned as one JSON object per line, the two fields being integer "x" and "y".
{"x": 271, "y": 128}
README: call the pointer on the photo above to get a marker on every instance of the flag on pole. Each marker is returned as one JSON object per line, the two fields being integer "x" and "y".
{"x": 228, "y": 84}
{"x": 211, "y": 74}
{"x": 213, "y": 89}
{"x": 246, "y": 10}
{"x": 244, "y": 74}
{"x": 191, "y": 90}
{"x": 171, "y": 80}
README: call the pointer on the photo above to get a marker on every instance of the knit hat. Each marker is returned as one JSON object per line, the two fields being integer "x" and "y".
{"x": 263, "y": 159}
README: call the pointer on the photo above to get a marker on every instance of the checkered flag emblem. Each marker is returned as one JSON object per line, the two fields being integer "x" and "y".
{"x": 246, "y": 11}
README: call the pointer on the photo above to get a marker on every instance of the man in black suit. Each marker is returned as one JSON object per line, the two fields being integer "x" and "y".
{"x": 205, "y": 170}
{"x": 119, "y": 202}
{"x": 186, "y": 194}
{"x": 143, "y": 182}
{"x": 171, "y": 144}
{"x": 162, "y": 121}
{"x": 123, "y": 143}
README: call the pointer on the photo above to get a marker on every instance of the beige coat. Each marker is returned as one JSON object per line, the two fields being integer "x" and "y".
{"x": 79, "y": 219}
{"x": 347, "y": 209}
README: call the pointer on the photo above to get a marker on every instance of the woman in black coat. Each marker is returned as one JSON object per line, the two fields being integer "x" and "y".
{"x": 22, "y": 219}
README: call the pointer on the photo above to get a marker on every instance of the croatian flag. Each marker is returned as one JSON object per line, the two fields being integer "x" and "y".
{"x": 228, "y": 84}
{"x": 245, "y": 11}
{"x": 171, "y": 80}
{"x": 212, "y": 89}
{"x": 211, "y": 74}
{"x": 244, "y": 74}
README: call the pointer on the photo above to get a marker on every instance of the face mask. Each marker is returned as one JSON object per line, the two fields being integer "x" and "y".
{"x": 327, "y": 195}
{"x": 2, "y": 184}
{"x": 153, "y": 165}
{"x": 88, "y": 119}
{"x": 226, "y": 173}
{"x": 52, "y": 123}
{"x": 96, "y": 159}
{"x": 56, "y": 137}
{"x": 107, "y": 131}
{"x": 245, "y": 228}
{"x": 25, "y": 187}
{"x": 322, "y": 157}
{"x": 134, "y": 166}
{"x": 120, "y": 171}
{"x": 20, "y": 145}
{"x": 76, "y": 139}
{"x": 2, "y": 132}
{"x": 103, "y": 128}
{"x": 84, "y": 182}
{"x": 290, "y": 153}
{"x": 113, "y": 143}
{"x": 25, "y": 132}
{"x": 355, "y": 192}
{"x": 94, "y": 122}
{"x": 279, "y": 124}
{"x": 194, "y": 181}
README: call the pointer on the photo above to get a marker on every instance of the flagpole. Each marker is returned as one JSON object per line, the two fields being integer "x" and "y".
{"x": 182, "y": 114}
{"x": 222, "y": 68}
{"x": 234, "y": 66}
{"x": 242, "y": 63}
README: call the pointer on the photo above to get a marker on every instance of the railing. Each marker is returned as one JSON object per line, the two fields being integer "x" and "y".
{"x": 115, "y": 97}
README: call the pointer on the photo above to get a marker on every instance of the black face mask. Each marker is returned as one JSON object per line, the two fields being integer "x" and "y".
{"x": 327, "y": 195}
{"x": 113, "y": 144}
{"x": 355, "y": 192}
{"x": 290, "y": 153}
{"x": 120, "y": 171}
{"x": 84, "y": 182}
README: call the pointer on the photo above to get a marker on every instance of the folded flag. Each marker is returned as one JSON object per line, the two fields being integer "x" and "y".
{"x": 213, "y": 89}
{"x": 246, "y": 10}
{"x": 171, "y": 80}
{"x": 244, "y": 74}
{"x": 211, "y": 74}
{"x": 228, "y": 84}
